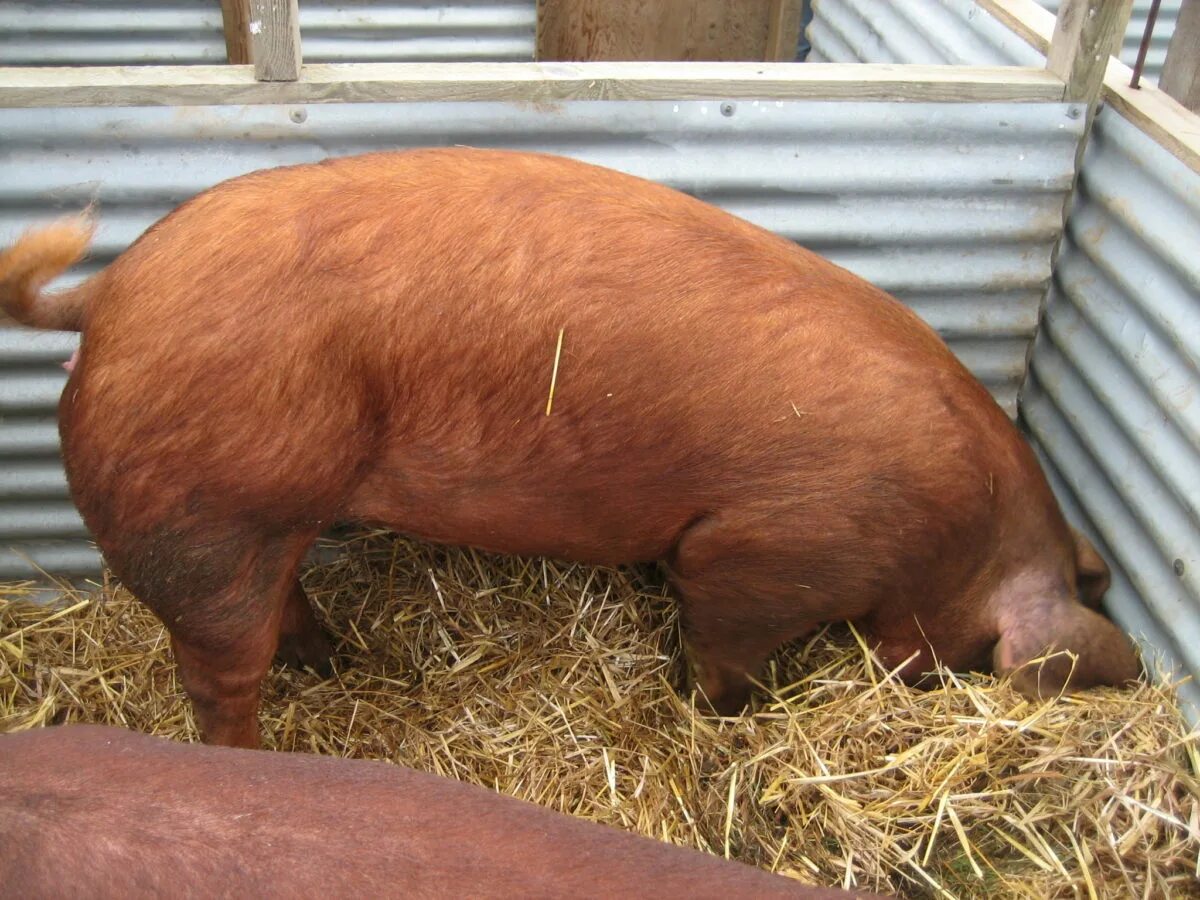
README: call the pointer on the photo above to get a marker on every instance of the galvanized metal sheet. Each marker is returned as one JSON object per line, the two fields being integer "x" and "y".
{"x": 1113, "y": 396}
{"x": 138, "y": 32}
{"x": 956, "y": 32}
{"x": 39, "y": 527}
{"x": 954, "y": 208}
{"x": 931, "y": 32}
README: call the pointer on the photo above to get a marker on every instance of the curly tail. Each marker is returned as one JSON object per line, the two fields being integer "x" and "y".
{"x": 39, "y": 255}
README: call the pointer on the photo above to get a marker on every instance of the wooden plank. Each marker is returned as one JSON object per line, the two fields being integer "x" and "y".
{"x": 275, "y": 38}
{"x": 1086, "y": 34}
{"x": 1181, "y": 71}
{"x": 783, "y": 30}
{"x": 1159, "y": 115}
{"x": 235, "y": 17}
{"x": 1154, "y": 112}
{"x": 660, "y": 30}
{"x": 522, "y": 82}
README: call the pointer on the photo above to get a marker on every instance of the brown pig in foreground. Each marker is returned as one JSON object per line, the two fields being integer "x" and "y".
{"x": 99, "y": 812}
{"x": 375, "y": 338}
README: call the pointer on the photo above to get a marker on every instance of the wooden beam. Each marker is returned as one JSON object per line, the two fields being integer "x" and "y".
{"x": 275, "y": 36}
{"x": 235, "y": 17}
{"x": 1086, "y": 34}
{"x": 1181, "y": 72}
{"x": 783, "y": 30}
{"x": 1153, "y": 111}
{"x": 522, "y": 82}
{"x": 1156, "y": 113}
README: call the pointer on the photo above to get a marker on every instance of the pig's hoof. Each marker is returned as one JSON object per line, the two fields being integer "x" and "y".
{"x": 726, "y": 707}
{"x": 312, "y": 651}
{"x": 730, "y": 702}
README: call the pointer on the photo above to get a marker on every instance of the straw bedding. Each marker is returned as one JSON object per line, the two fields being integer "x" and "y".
{"x": 556, "y": 683}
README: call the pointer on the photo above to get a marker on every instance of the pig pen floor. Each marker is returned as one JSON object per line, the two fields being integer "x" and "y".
{"x": 555, "y": 683}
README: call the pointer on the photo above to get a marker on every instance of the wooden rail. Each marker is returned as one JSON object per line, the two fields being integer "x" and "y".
{"x": 523, "y": 82}
{"x": 271, "y": 42}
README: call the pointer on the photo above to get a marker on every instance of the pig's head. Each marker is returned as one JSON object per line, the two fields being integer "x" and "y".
{"x": 1052, "y": 639}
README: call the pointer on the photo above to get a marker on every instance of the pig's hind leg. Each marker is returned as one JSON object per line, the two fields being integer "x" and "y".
{"x": 229, "y": 603}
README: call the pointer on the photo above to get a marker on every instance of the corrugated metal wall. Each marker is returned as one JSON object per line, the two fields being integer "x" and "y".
{"x": 39, "y": 527}
{"x": 954, "y": 208}
{"x": 136, "y": 32}
{"x": 932, "y": 32}
{"x": 1113, "y": 396}
{"x": 956, "y": 32}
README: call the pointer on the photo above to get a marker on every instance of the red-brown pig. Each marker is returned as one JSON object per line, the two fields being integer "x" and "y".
{"x": 374, "y": 338}
{"x": 96, "y": 812}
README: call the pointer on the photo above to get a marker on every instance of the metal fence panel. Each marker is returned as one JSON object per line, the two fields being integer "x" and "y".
{"x": 141, "y": 32}
{"x": 930, "y": 32}
{"x": 39, "y": 527}
{"x": 1115, "y": 376}
{"x": 952, "y": 207}
{"x": 956, "y": 32}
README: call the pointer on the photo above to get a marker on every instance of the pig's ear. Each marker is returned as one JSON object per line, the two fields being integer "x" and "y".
{"x": 1061, "y": 645}
{"x": 1093, "y": 577}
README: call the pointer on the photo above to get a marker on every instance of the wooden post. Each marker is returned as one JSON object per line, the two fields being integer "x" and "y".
{"x": 275, "y": 39}
{"x": 1086, "y": 34}
{"x": 1181, "y": 72}
{"x": 235, "y": 15}
{"x": 783, "y": 31}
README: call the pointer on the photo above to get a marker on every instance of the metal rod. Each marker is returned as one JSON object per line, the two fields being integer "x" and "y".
{"x": 1141, "y": 57}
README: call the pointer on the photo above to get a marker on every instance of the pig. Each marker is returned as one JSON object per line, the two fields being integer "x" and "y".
{"x": 97, "y": 812}
{"x": 532, "y": 355}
